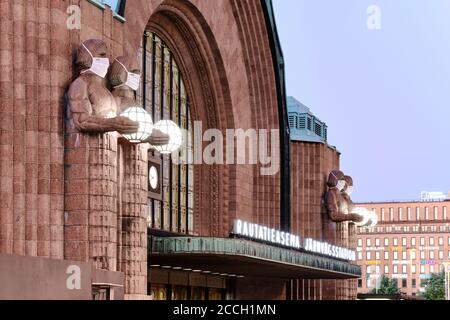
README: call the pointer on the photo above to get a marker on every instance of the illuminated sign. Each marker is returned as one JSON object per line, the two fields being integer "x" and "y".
{"x": 329, "y": 250}
{"x": 428, "y": 262}
{"x": 262, "y": 233}
{"x": 255, "y": 231}
{"x": 373, "y": 262}
{"x": 425, "y": 276}
{"x": 398, "y": 248}
{"x": 401, "y": 262}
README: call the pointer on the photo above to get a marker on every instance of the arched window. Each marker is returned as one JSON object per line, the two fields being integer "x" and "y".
{"x": 163, "y": 95}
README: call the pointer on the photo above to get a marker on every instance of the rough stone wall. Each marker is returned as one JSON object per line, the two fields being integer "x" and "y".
{"x": 311, "y": 164}
{"x": 35, "y": 66}
{"x": 59, "y": 195}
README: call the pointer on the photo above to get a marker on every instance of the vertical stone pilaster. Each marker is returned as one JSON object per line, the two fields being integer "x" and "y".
{"x": 132, "y": 219}
{"x": 6, "y": 128}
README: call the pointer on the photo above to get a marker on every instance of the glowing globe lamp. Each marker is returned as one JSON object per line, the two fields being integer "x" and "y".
{"x": 170, "y": 128}
{"x": 145, "y": 130}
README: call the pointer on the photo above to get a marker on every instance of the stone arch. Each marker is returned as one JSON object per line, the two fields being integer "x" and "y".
{"x": 230, "y": 74}
{"x": 183, "y": 29}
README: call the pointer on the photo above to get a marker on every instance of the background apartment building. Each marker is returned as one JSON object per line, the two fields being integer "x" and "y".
{"x": 410, "y": 242}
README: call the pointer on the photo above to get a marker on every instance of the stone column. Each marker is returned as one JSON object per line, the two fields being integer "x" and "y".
{"x": 132, "y": 219}
{"x": 91, "y": 198}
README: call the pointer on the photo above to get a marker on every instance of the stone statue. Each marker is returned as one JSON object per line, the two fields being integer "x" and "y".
{"x": 125, "y": 80}
{"x": 334, "y": 201}
{"x": 92, "y": 106}
{"x": 347, "y": 205}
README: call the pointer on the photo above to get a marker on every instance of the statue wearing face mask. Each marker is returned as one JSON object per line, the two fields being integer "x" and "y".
{"x": 125, "y": 80}
{"x": 347, "y": 203}
{"x": 91, "y": 104}
{"x": 335, "y": 202}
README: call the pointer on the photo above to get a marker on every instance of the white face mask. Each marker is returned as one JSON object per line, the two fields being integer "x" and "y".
{"x": 99, "y": 65}
{"x": 349, "y": 190}
{"x": 133, "y": 79}
{"x": 340, "y": 185}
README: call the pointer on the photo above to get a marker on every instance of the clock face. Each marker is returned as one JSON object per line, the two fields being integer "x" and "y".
{"x": 153, "y": 177}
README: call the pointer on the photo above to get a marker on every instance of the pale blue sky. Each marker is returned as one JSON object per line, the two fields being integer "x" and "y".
{"x": 385, "y": 94}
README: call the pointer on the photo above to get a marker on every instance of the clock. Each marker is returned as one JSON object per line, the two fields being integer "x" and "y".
{"x": 153, "y": 178}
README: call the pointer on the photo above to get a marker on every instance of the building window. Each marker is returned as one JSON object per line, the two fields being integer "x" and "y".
{"x": 427, "y": 214}
{"x": 413, "y": 268}
{"x": 431, "y": 268}
{"x": 435, "y": 213}
{"x": 395, "y": 269}
{"x": 431, "y": 241}
{"x": 431, "y": 254}
{"x": 413, "y": 254}
{"x": 422, "y": 269}
{"x": 377, "y": 255}
{"x": 400, "y": 214}
{"x": 359, "y": 255}
{"x": 359, "y": 242}
{"x": 441, "y": 255}
{"x": 441, "y": 241}
{"x": 368, "y": 270}
{"x": 164, "y": 96}
{"x": 409, "y": 214}
{"x": 359, "y": 283}
{"x": 368, "y": 255}
{"x": 403, "y": 241}
{"x": 413, "y": 242}
{"x": 404, "y": 253}
{"x": 413, "y": 283}
{"x": 386, "y": 242}
{"x": 118, "y": 6}
{"x": 422, "y": 255}
{"x": 395, "y": 242}
{"x": 444, "y": 210}
{"x": 386, "y": 269}
{"x": 377, "y": 242}
{"x": 422, "y": 241}
{"x": 395, "y": 255}
{"x": 404, "y": 270}
{"x": 386, "y": 255}
{"x": 382, "y": 215}
{"x": 404, "y": 285}
{"x": 417, "y": 213}
{"x": 368, "y": 242}
{"x": 391, "y": 214}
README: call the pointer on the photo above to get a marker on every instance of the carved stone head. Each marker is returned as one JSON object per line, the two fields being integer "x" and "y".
{"x": 119, "y": 70}
{"x": 98, "y": 48}
{"x": 334, "y": 177}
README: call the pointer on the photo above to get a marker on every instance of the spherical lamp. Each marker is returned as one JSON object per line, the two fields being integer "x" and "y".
{"x": 175, "y": 134}
{"x": 145, "y": 130}
{"x": 365, "y": 214}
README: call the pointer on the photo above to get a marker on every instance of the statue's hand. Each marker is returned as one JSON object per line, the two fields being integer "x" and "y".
{"x": 124, "y": 125}
{"x": 354, "y": 217}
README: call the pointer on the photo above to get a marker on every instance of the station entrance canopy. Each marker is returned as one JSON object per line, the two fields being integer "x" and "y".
{"x": 246, "y": 258}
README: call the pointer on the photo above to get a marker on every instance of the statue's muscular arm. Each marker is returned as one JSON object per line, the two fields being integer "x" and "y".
{"x": 333, "y": 210}
{"x": 84, "y": 121}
